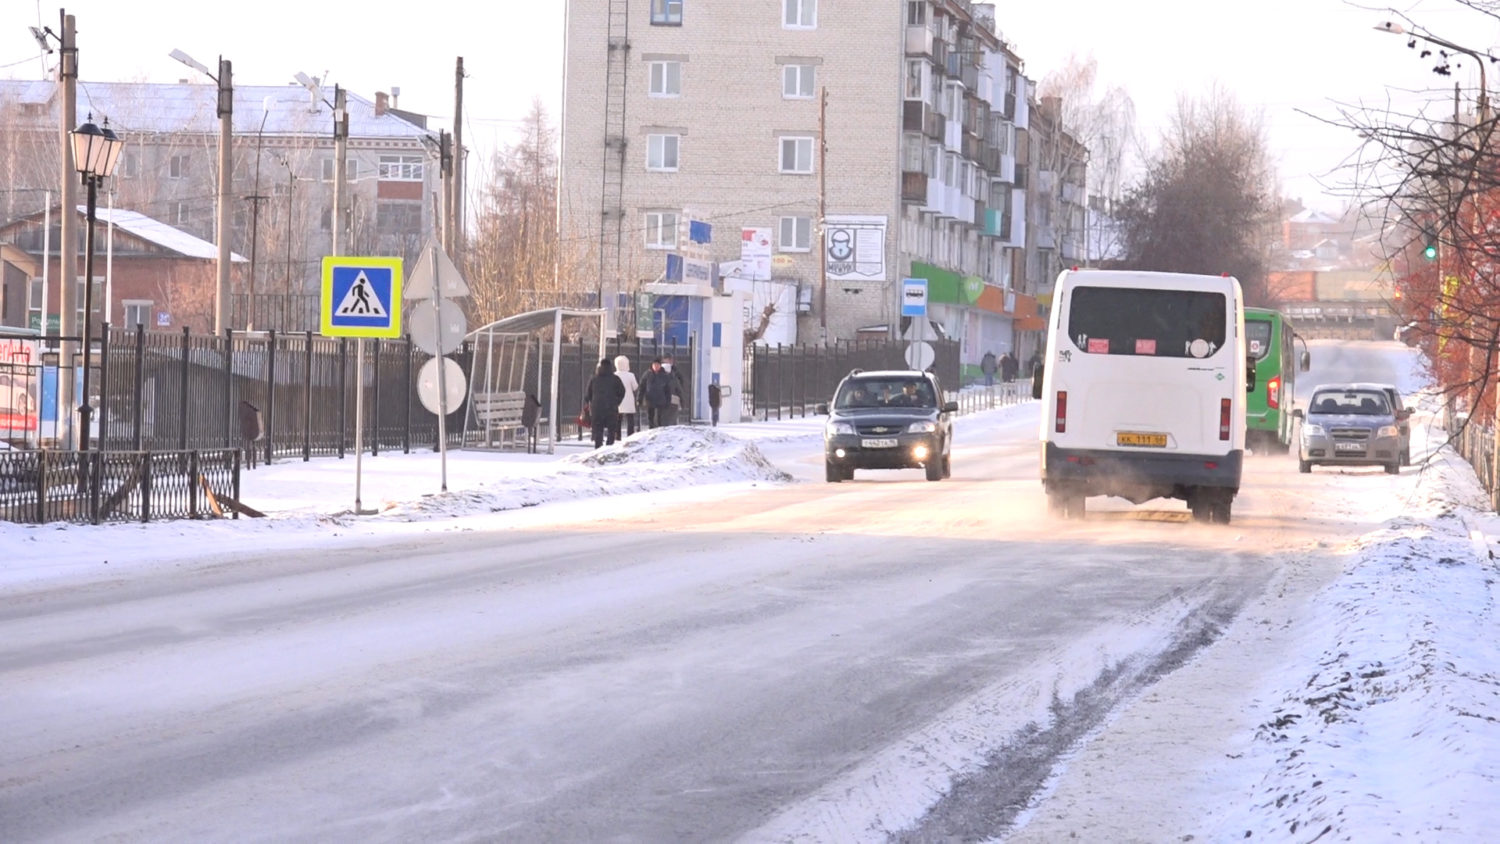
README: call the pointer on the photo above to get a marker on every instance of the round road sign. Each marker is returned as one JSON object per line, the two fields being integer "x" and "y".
{"x": 438, "y": 333}
{"x": 453, "y": 376}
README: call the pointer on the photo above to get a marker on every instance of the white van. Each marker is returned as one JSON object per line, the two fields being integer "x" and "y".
{"x": 1143, "y": 390}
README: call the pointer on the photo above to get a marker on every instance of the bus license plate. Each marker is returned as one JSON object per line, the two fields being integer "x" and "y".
{"x": 1145, "y": 440}
{"x": 878, "y": 443}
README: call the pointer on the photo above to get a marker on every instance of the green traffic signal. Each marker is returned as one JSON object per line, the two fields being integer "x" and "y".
{"x": 1430, "y": 252}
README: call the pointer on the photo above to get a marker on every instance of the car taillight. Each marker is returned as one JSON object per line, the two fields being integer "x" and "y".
{"x": 1224, "y": 419}
{"x": 1273, "y": 392}
{"x": 1062, "y": 411}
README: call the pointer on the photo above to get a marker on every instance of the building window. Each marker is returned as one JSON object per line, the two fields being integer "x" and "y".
{"x": 916, "y": 13}
{"x": 666, "y": 79}
{"x": 177, "y": 167}
{"x": 395, "y": 168}
{"x": 916, "y": 79}
{"x": 128, "y": 167}
{"x": 797, "y": 81}
{"x": 325, "y": 221}
{"x": 796, "y": 234}
{"x": 34, "y": 306}
{"x": 184, "y": 215}
{"x": 398, "y": 218}
{"x": 796, "y": 155}
{"x": 799, "y": 14}
{"x": 137, "y": 312}
{"x": 661, "y": 152}
{"x": 666, "y": 12}
{"x": 351, "y": 166}
{"x": 661, "y": 229}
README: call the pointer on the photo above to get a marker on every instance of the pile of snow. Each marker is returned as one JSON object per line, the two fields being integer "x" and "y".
{"x": 1388, "y": 724}
{"x": 650, "y": 461}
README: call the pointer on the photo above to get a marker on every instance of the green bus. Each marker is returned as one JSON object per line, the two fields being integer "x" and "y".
{"x": 1269, "y": 346}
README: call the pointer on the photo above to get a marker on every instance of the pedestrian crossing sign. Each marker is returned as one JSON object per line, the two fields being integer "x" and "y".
{"x": 361, "y": 297}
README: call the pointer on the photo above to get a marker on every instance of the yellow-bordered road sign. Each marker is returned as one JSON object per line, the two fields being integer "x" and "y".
{"x": 361, "y": 297}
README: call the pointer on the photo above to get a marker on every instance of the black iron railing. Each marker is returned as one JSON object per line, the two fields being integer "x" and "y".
{"x": 117, "y": 486}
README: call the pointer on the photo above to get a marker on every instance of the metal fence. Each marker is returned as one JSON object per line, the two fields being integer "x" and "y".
{"x": 791, "y": 381}
{"x": 38, "y": 486}
{"x": 1476, "y": 444}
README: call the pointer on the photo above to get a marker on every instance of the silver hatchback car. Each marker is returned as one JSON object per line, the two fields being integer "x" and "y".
{"x": 1350, "y": 425}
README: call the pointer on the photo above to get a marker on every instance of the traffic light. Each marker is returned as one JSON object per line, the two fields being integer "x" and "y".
{"x": 1430, "y": 251}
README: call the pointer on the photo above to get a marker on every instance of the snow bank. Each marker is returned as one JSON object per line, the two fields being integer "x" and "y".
{"x": 1389, "y": 725}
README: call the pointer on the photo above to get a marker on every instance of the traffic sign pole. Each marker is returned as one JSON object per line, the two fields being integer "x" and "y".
{"x": 442, "y": 370}
{"x": 359, "y": 419}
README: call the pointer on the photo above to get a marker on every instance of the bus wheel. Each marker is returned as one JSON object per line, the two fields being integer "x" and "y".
{"x": 1065, "y": 503}
{"x": 1198, "y": 504}
{"x": 1218, "y": 509}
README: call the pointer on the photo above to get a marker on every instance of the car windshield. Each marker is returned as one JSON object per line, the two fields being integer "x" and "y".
{"x": 886, "y": 392}
{"x": 1352, "y": 403}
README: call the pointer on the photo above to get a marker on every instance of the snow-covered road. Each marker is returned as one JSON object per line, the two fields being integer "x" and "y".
{"x": 754, "y": 659}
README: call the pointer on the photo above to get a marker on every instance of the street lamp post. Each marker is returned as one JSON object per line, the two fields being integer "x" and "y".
{"x": 255, "y": 200}
{"x": 225, "y": 81}
{"x": 95, "y": 153}
{"x": 1484, "y": 89}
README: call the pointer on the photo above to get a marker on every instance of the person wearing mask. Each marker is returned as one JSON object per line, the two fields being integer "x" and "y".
{"x": 627, "y": 407}
{"x": 603, "y": 397}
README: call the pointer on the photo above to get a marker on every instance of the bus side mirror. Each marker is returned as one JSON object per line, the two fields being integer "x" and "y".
{"x": 1036, "y": 382}
{"x": 1305, "y": 362}
{"x": 1296, "y": 413}
{"x": 822, "y": 410}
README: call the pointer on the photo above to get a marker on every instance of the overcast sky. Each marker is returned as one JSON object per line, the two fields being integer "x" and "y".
{"x": 1276, "y": 56}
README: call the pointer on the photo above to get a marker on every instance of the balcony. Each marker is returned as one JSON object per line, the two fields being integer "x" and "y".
{"x": 917, "y": 116}
{"x": 919, "y": 41}
{"x": 913, "y": 187}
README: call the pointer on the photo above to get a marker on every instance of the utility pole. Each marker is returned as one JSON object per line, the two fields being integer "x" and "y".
{"x": 222, "y": 298}
{"x": 445, "y": 190}
{"x": 340, "y": 171}
{"x": 255, "y": 199}
{"x": 457, "y": 198}
{"x": 823, "y": 214}
{"x": 67, "y": 256}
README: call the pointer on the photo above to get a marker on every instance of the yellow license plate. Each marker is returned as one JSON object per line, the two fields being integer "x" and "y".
{"x": 1146, "y": 440}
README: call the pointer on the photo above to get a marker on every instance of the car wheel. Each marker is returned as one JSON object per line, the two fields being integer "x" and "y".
{"x": 1304, "y": 466}
{"x": 1393, "y": 468}
{"x": 1406, "y": 457}
{"x": 947, "y": 466}
{"x": 934, "y": 468}
{"x": 833, "y": 472}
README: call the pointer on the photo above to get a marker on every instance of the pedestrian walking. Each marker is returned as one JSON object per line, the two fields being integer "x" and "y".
{"x": 715, "y": 398}
{"x": 603, "y": 398}
{"x": 627, "y": 407}
{"x": 988, "y": 365}
{"x": 677, "y": 401}
{"x": 1008, "y": 367}
{"x": 656, "y": 393}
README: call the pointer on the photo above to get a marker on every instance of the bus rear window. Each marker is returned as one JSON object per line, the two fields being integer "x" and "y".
{"x": 1134, "y": 321}
{"x": 1257, "y": 338}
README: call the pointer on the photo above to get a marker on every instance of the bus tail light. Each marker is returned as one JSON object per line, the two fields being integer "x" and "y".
{"x": 1224, "y": 405}
{"x": 1273, "y": 392}
{"x": 1062, "y": 412}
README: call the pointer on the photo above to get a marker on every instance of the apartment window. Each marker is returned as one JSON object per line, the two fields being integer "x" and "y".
{"x": 796, "y": 155}
{"x": 666, "y": 79}
{"x": 325, "y": 220}
{"x": 661, "y": 152}
{"x": 128, "y": 167}
{"x": 796, "y": 234}
{"x": 666, "y": 12}
{"x": 912, "y": 148}
{"x": 137, "y": 312}
{"x": 184, "y": 214}
{"x": 799, "y": 14}
{"x": 395, "y": 168}
{"x": 797, "y": 81}
{"x": 351, "y": 167}
{"x": 661, "y": 229}
{"x": 916, "y": 79}
{"x": 398, "y": 218}
{"x": 34, "y": 305}
{"x": 916, "y": 13}
{"x": 177, "y": 167}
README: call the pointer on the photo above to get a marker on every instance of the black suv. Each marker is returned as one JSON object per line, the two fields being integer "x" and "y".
{"x": 888, "y": 420}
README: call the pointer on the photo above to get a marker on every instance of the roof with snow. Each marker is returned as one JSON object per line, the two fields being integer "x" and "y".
{"x": 159, "y": 233}
{"x": 1310, "y": 216}
{"x": 153, "y": 107}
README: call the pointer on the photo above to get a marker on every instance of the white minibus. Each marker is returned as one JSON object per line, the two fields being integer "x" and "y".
{"x": 1143, "y": 389}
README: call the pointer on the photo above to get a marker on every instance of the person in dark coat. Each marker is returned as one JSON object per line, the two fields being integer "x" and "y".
{"x": 1009, "y": 366}
{"x": 251, "y": 431}
{"x": 603, "y": 397}
{"x": 656, "y": 392}
{"x": 677, "y": 404}
{"x": 715, "y": 398}
{"x": 989, "y": 367}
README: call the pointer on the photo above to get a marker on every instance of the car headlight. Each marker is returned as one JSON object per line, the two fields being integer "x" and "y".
{"x": 1388, "y": 431}
{"x": 921, "y": 428}
{"x": 1311, "y": 430}
{"x": 835, "y": 428}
